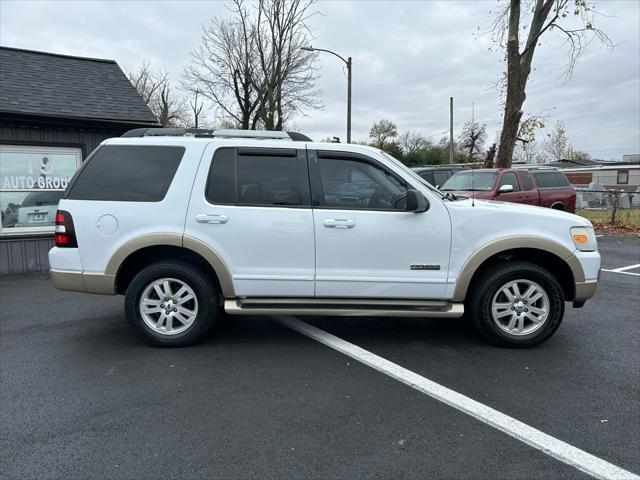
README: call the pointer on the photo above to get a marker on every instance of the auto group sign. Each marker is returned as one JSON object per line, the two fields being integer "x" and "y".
{"x": 29, "y": 171}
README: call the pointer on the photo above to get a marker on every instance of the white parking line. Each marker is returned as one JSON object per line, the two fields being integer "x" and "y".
{"x": 623, "y": 270}
{"x": 558, "y": 449}
{"x": 601, "y": 235}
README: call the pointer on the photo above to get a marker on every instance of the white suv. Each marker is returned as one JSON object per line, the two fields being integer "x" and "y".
{"x": 186, "y": 223}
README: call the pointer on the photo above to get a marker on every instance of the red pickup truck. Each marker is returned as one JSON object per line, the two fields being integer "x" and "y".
{"x": 541, "y": 187}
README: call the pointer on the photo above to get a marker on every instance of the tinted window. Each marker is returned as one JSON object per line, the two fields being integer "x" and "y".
{"x": 428, "y": 176}
{"x": 261, "y": 179}
{"x": 509, "y": 178}
{"x": 39, "y": 199}
{"x": 357, "y": 184}
{"x": 551, "y": 180}
{"x": 440, "y": 177}
{"x": 525, "y": 181}
{"x": 268, "y": 181}
{"x": 127, "y": 173}
{"x": 221, "y": 187}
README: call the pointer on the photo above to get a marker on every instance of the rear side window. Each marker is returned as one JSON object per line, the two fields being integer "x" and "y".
{"x": 525, "y": 180}
{"x": 261, "y": 177}
{"x": 551, "y": 180}
{"x": 440, "y": 177}
{"x": 428, "y": 176}
{"x": 127, "y": 173}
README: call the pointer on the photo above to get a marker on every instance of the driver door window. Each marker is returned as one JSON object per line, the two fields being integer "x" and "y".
{"x": 354, "y": 184}
{"x": 509, "y": 178}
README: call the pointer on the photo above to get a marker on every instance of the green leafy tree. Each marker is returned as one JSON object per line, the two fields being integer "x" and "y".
{"x": 433, "y": 155}
{"x": 394, "y": 149}
{"x": 382, "y": 131}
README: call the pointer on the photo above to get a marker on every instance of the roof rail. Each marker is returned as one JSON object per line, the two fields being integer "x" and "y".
{"x": 536, "y": 167}
{"x": 168, "y": 132}
{"x": 223, "y": 133}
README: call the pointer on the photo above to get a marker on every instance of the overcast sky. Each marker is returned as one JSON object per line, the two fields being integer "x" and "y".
{"x": 408, "y": 57}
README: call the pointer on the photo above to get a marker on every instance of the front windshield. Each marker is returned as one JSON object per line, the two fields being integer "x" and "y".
{"x": 470, "y": 181}
{"x": 412, "y": 173}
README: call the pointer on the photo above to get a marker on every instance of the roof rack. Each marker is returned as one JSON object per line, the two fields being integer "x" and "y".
{"x": 210, "y": 133}
{"x": 529, "y": 166}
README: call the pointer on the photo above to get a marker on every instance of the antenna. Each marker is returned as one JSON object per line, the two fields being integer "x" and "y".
{"x": 473, "y": 168}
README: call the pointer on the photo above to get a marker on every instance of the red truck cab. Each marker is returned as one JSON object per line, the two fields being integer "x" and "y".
{"x": 544, "y": 187}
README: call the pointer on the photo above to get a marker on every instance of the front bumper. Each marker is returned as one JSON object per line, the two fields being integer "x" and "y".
{"x": 584, "y": 291}
{"x": 586, "y": 273}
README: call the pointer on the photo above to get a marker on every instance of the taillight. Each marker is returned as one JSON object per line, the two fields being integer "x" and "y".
{"x": 65, "y": 234}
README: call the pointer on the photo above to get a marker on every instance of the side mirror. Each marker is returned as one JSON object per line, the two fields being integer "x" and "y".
{"x": 505, "y": 189}
{"x": 438, "y": 187}
{"x": 416, "y": 202}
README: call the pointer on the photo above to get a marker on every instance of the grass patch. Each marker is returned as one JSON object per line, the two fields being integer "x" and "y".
{"x": 627, "y": 220}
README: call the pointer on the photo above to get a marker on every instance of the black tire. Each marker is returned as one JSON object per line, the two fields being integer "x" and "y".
{"x": 205, "y": 292}
{"x": 484, "y": 288}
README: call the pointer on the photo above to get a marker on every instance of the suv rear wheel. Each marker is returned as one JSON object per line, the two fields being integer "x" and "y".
{"x": 171, "y": 304}
{"x": 516, "y": 304}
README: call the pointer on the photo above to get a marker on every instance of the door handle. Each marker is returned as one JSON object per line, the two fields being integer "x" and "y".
{"x": 211, "y": 218}
{"x": 339, "y": 223}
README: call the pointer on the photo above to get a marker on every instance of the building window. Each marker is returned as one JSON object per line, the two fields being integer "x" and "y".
{"x": 623, "y": 177}
{"x": 32, "y": 181}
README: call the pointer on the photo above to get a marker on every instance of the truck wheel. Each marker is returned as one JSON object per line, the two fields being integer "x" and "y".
{"x": 171, "y": 304}
{"x": 516, "y": 304}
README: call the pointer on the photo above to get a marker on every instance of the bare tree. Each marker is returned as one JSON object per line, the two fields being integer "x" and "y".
{"x": 573, "y": 154}
{"x": 223, "y": 67}
{"x": 155, "y": 90}
{"x": 251, "y": 65}
{"x": 472, "y": 139}
{"x": 382, "y": 131}
{"x": 147, "y": 82}
{"x": 557, "y": 145}
{"x": 196, "y": 110}
{"x": 526, "y": 146}
{"x": 572, "y": 19}
{"x": 288, "y": 75}
{"x": 411, "y": 141}
{"x": 169, "y": 109}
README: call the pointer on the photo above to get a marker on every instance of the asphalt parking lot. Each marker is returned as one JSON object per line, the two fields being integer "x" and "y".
{"x": 81, "y": 397}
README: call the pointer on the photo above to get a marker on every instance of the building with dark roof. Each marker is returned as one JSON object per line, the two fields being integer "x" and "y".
{"x": 567, "y": 163}
{"x": 54, "y": 111}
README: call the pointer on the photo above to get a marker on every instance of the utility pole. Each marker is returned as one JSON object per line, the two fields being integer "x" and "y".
{"x": 349, "y": 63}
{"x": 450, "y": 130}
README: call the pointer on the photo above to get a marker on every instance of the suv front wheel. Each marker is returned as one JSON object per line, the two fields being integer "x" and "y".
{"x": 516, "y": 304}
{"x": 171, "y": 304}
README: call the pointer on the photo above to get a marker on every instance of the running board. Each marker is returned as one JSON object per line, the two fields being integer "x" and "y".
{"x": 343, "y": 307}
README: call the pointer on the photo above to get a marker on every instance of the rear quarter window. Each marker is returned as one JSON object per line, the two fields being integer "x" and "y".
{"x": 525, "y": 180}
{"x": 551, "y": 180}
{"x": 428, "y": 176}
{"x": 127, "y": 173}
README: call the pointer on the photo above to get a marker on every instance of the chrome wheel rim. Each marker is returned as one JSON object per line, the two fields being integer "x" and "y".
{"x": 520, "y": 307}
{"x": 168, "y": 306}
